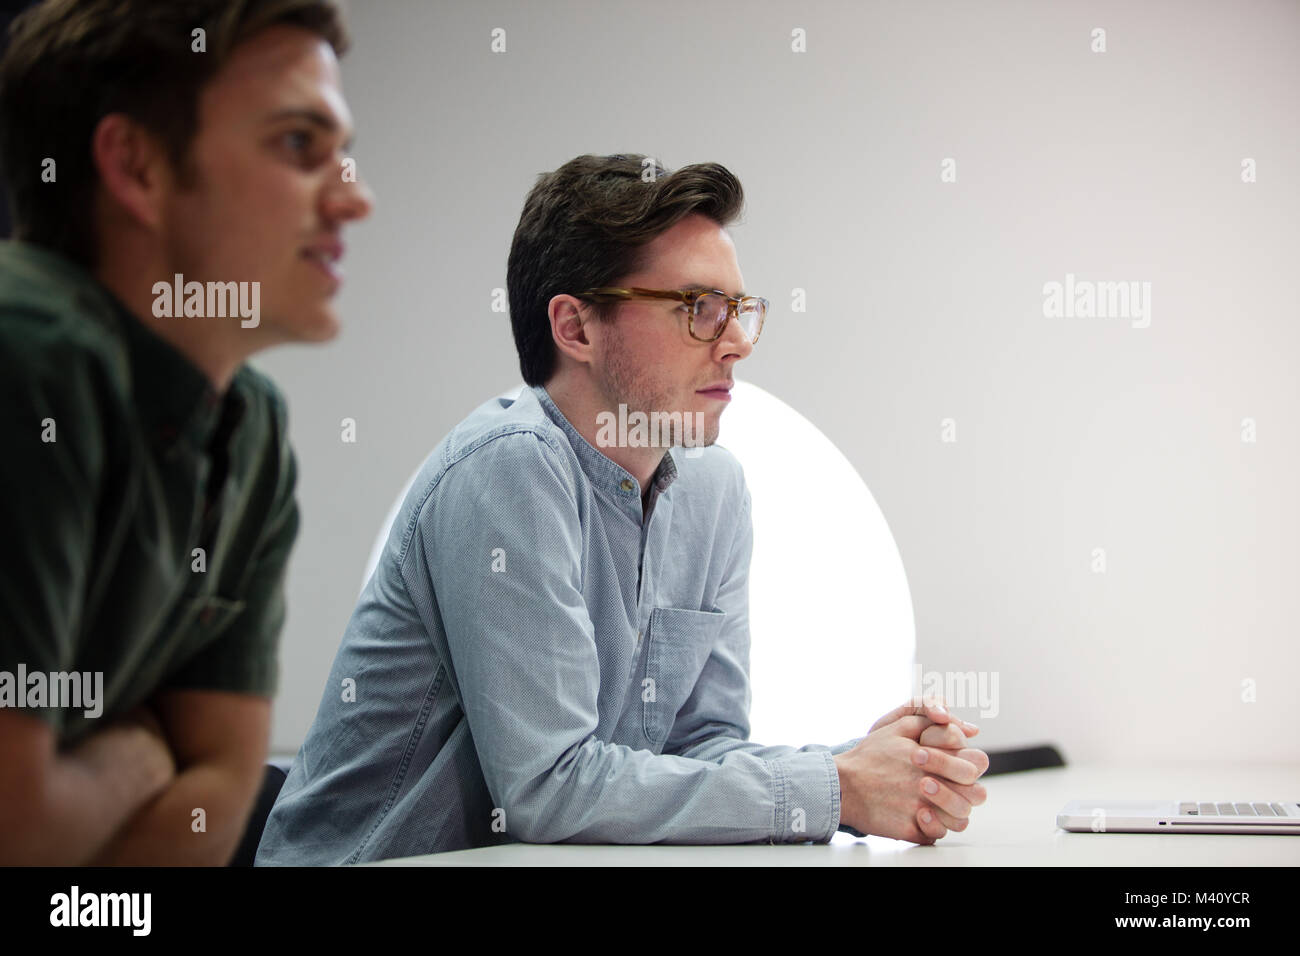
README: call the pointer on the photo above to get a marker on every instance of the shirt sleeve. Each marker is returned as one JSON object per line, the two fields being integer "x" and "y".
{"x": 244, "y": 657}
{"x": 713, "y": 724}
{"x": 52, "y": 399}
{"x": 524, "y": 656}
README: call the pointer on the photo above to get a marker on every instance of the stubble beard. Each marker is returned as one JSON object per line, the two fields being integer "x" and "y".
{"x": 620, "y": 385}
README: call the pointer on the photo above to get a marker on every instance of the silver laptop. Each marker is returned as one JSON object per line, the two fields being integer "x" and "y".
{"x": 1180, "y": 816}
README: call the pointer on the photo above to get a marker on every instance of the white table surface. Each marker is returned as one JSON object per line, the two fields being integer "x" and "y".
{"x": 1016, "y": 826}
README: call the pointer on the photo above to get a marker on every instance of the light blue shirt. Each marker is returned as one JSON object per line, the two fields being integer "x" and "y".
{"x": 535, "y": 659}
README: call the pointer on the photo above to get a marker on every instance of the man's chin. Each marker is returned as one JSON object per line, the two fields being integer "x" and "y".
{"x": 320, "y": 326}
{"x": 700, "y": 439}
{"x": 328, "y": 330}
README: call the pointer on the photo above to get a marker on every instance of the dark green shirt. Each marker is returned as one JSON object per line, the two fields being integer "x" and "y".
{"x": 99, "y": 526}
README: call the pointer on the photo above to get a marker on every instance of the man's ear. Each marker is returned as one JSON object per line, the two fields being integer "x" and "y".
{"x": 133, "y": 167}
{"x": 569, "y": 327}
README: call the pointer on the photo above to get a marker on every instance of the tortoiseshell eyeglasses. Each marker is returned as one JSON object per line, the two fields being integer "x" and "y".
{"x": 710, "y": 309}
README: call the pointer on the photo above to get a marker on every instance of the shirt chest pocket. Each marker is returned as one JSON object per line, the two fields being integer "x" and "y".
{"x": 678, "y": 643}
{"x": 211, "y": 614}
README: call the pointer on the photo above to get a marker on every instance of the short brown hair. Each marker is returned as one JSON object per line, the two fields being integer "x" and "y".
{"x": 72, "y": 62}
{"x": 587, "y": 224}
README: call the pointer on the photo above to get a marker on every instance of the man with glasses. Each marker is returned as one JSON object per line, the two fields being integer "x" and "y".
{"x": 554, "y": 645}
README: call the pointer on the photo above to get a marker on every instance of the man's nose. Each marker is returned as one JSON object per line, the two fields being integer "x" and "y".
{"x": 734, "y": 341}
{"x": 348, "y": 200}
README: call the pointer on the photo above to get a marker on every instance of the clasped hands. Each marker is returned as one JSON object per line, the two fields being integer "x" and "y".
{"x": 912, "y": 777}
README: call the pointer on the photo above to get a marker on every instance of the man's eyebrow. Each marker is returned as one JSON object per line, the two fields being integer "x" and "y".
{"x": 313, "y": 116}
{"x": 702, "y": 287}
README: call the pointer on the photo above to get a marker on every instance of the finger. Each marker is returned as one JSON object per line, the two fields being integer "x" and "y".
{"x": 945, "y": 765}
{"x": 930, "y": 707}
{"x": 911, "y": 727}
{"x": 943, "y": 797}
{"x": 943, "y": 737}
{"x": 931, "y": 827}
{"x": 973, "y": 792}
{"x": 951, "y": 823}
{"x": 977, "y": 757}
{"x": 959, "y": 730}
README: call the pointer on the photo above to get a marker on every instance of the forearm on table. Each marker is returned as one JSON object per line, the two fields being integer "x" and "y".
{"x": 717, "y": 747}
{"x": 85, "y": 796}
{"x": 611, "y": 793}
{"x": 169, "y": 831}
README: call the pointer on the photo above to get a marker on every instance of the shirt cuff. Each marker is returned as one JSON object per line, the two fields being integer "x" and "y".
{"x": 839, "y": 749}
{"x": 806, "y": 787}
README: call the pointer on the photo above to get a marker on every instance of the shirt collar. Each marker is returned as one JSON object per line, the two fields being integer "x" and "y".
{"x": 602, "y": 471}
{"x": 176, "y": 400}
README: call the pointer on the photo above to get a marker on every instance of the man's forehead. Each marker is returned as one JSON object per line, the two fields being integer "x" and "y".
{"x": 279, "y": 50}
{"x": 690, "y": 278}
{"x": 695, "y": 254}
{"x": 281, "y": 69}
{"x": 690, "y": 273}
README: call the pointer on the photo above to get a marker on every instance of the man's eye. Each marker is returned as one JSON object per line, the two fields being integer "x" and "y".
{"x": 297, "y": 140}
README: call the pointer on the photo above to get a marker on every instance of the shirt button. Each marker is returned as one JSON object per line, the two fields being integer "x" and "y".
{"x": 626, "y": 484}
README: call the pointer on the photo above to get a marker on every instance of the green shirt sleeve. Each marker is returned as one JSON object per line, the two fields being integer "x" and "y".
{"x": 52, "y": 398}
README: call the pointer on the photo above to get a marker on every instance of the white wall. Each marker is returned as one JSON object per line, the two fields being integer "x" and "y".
{"x": 924, "y": 302}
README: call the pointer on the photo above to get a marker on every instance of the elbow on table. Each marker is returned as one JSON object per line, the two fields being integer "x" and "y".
{"x": 534, "y": 810}
{"x": 529, "y": 817}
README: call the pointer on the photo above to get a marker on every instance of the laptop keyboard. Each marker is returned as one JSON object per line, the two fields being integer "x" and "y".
{"x": 1231, "y": 809}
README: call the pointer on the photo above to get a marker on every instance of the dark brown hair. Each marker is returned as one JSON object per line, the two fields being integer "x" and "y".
{"x": 586, "y": 225}
{"x": 72, "y": 62}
